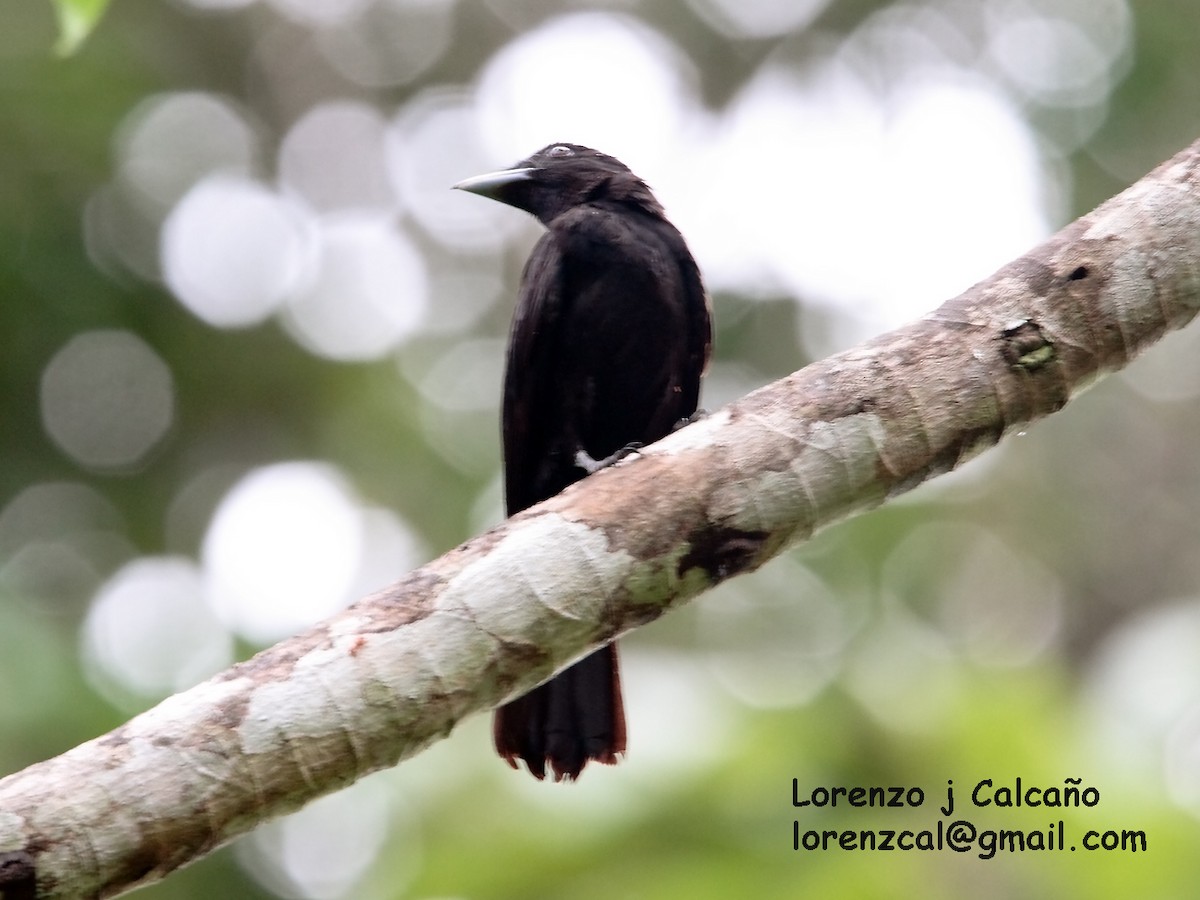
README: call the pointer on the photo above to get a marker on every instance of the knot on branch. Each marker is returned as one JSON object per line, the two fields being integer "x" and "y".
{"x": 1025, "y": 346}
{"x": 723, "y": 552}
{"x": 18, "y": 876}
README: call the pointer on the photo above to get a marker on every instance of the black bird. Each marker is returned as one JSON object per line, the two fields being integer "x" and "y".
{"x": 609, "y": 341}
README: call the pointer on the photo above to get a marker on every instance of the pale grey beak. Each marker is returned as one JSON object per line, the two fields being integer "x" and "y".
{"x": 493, "y": 183}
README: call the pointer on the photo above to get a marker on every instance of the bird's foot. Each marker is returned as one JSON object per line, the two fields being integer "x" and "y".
{"x": 584, "y": 460}
{"x": 688, "y": 420}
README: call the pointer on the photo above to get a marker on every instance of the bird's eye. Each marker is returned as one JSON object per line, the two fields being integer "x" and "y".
{"x": 560, "y": 150}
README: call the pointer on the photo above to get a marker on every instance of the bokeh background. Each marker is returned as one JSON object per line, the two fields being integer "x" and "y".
{"x": 252, "y": 346}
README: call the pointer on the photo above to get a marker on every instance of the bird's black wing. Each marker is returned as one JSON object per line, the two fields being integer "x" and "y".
{"x": 529, "y": 394}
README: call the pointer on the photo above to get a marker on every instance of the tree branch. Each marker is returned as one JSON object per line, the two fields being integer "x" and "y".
{"x": 498, "y": 614}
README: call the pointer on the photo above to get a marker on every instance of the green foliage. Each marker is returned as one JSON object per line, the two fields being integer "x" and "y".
{"x": 76, "y": 20}
{"x": 1032, "y": 615}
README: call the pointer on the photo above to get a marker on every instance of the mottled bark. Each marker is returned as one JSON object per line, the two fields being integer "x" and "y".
{"x": 491, "y": 618}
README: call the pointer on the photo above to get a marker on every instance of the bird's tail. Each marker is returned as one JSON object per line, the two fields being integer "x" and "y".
{"x": 574, "y": 717}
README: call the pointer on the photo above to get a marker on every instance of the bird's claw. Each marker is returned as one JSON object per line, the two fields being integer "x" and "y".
{"x": 688, "y": 420}
{"x": 584, "y": 460}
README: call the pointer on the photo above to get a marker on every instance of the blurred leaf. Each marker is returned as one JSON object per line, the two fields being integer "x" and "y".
{"x": 1097, "y": 509}
{"x": 76, "y": 19}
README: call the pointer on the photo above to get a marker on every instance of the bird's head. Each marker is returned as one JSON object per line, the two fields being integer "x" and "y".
{"x": 560, "y": 177}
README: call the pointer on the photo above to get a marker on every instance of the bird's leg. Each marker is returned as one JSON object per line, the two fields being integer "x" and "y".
{"x": 584, "y": 460}
{"x": 688, "y": 420}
